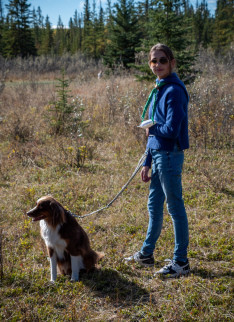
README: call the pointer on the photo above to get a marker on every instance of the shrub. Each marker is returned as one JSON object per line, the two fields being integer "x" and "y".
{"x": 65, "y": 114}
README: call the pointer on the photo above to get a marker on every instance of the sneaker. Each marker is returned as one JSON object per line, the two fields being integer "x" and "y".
{"x": 174, "y": 269}
{"x": 142, "y": 260}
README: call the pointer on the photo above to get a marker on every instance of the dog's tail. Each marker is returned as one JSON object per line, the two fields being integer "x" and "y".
{"x": 91, "y": 259}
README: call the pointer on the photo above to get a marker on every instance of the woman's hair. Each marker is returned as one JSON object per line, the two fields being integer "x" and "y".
{"x": 167, "y": 51}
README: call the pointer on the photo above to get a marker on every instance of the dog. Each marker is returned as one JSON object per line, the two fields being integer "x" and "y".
{"x": 67, "y": 243}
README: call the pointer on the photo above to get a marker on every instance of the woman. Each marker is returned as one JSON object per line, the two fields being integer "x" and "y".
{"x": 167, "y": 138}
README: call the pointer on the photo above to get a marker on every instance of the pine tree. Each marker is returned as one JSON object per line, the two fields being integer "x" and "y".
{"x": 223, "y": 26}
{"x": 37, "y": 27}
{"x": 47, "y": 42}
{"x": 18, "y": 37}
{"x": 1, "y": 28}
{"x": 100, "y": 32}
{"x": 60, "y": 38}
{"x": 74, "y": 34}
{"x": 61, "y": 109}
{"x": 1, "y": 11}
{"x": 70, "y": 36}
{"x": 108, "y": 13}
{"x": 79, "y": 34}
{"x": 168, "y": 24}
{"x": 87, "y": 30}
{"x": 90, "y": 30}
{"x": 65, "y": 113}
{"x": 143, "y": 16}
{"x": 124, "y": 35}
{"x": 202, "y": 25}
{"x": 95, "y": 33}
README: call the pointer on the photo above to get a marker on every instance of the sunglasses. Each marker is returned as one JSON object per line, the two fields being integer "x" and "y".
{"x": 162, "y": 60}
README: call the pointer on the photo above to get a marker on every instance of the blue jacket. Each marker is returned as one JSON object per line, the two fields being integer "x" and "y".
{"x": 171, "y": 117}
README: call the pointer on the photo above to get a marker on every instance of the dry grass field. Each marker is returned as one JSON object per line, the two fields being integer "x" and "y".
{"x": 84, "y": 165}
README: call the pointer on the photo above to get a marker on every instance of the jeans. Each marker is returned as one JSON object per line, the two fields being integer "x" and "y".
{"x": 166, "y": 185}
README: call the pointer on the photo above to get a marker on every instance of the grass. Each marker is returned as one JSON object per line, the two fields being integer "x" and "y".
{"x": 34, "y": 162}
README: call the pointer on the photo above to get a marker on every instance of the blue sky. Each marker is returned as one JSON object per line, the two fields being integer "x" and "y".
{"x": 66, "y": 8}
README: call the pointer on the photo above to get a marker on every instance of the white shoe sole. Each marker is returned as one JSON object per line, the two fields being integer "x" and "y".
{"x": 131, "y": 259}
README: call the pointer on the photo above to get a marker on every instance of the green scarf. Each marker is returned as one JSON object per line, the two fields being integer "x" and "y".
{"x": 154, "y": 91}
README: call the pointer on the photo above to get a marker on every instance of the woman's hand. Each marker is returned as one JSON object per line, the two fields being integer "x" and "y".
{"x": 144, "y": 174}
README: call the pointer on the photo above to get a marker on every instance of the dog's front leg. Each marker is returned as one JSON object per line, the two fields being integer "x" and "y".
{"x": 76, "y": 266}
{"x": 53, "y": 265}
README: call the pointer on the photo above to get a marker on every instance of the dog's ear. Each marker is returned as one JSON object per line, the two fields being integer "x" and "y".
{"x": 63, "y": 215}
{"x": 58, "y": 211}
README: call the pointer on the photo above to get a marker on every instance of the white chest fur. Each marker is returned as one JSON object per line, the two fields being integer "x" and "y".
{"x": 52, "y": 238}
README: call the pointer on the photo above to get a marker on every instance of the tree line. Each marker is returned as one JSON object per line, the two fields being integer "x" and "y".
{"x": 121, "y": 34}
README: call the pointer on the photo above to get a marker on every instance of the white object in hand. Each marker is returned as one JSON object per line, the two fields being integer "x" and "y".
{"x": 146, "y": 124}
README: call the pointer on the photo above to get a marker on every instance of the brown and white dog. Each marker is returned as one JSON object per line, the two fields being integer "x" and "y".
{"x": 67, "y": 243}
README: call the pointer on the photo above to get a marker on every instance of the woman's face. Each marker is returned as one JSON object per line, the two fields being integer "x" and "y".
{"x": 160, "y": 65}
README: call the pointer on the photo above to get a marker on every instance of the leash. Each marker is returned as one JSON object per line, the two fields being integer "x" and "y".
{"x": 139, "y": 165}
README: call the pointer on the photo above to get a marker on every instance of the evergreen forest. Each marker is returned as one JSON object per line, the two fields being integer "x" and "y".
{"x": 121, "y": 34}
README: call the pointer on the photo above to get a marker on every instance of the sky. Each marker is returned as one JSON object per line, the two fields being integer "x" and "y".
{"x": 66, "y": 8}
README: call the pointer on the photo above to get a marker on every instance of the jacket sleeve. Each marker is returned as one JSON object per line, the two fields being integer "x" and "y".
{"x": 148, "y": 160}
{"x": 175, "y": 100}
